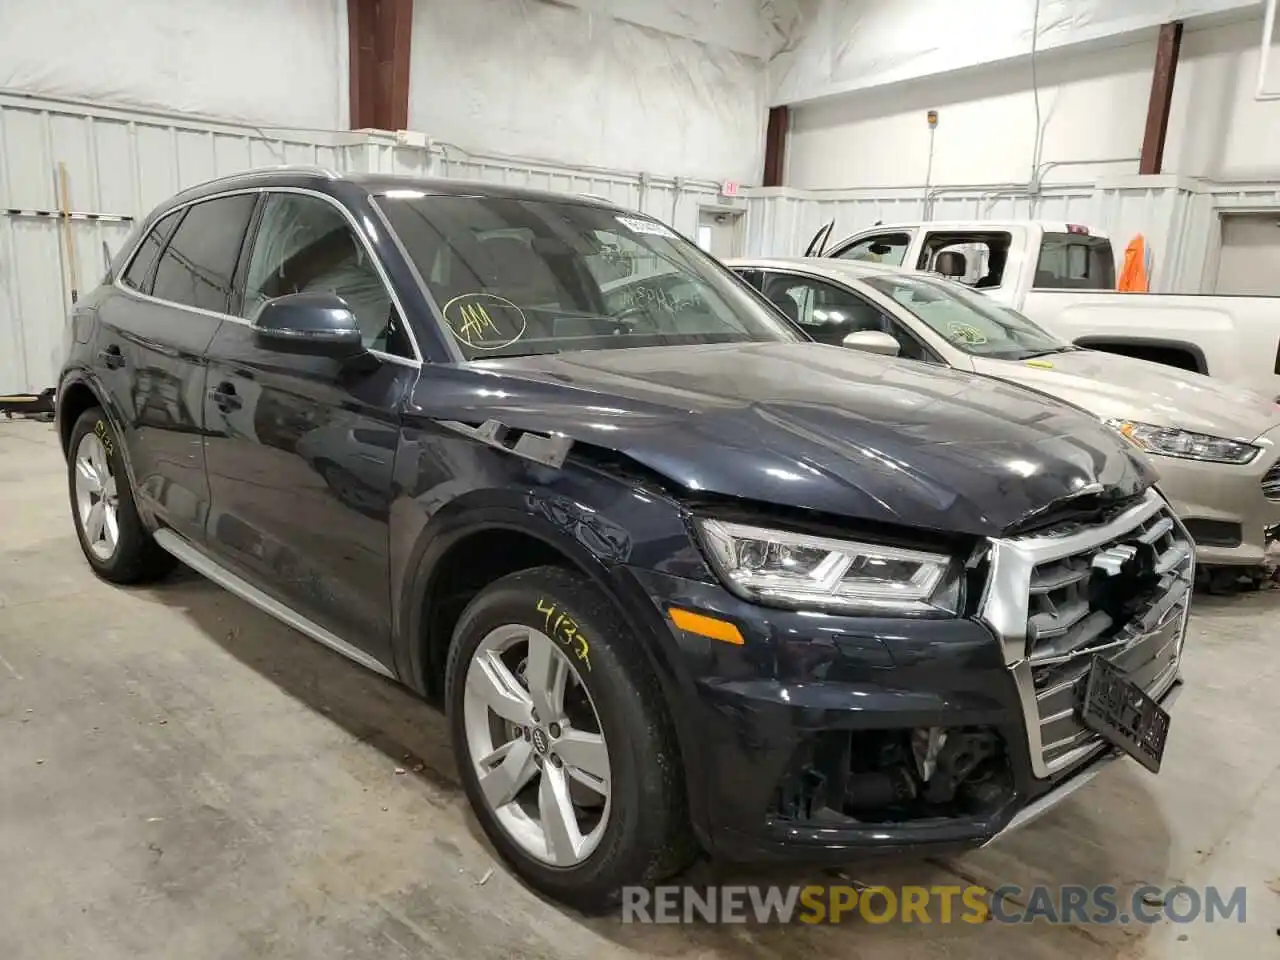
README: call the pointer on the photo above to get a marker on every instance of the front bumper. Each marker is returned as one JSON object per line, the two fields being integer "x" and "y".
{"x": 768, "y": 711}
{"x": 1224, "y": 506}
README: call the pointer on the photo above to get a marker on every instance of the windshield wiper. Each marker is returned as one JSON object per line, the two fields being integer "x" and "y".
{"x": 1065, "y": 348}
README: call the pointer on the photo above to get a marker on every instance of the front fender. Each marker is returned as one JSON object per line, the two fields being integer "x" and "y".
{"x": 599, "y": 523}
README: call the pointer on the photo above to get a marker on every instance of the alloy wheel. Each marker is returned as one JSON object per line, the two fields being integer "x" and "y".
{"x": 96, "y": 499}
{"x": 536, "y": 745}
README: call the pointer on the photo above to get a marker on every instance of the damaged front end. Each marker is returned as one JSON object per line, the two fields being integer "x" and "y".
{"x": 895, "y": 776}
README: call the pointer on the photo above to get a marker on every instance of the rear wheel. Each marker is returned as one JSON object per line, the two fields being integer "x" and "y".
{"x": 564, "y": 746}
{"x": 112, "y": 535}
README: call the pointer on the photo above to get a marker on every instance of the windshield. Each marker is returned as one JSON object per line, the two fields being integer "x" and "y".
{"x": 517, "y": 277}
{"x": 969, "y": 321}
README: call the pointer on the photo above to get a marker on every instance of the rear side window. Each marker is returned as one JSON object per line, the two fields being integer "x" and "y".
{"x": 138, "y": 276}
{"x": 1071, "y": 261}
{"x": 197, "y": 267}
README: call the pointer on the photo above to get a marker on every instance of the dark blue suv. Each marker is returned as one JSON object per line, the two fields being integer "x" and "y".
{"x": 682, "y": 578}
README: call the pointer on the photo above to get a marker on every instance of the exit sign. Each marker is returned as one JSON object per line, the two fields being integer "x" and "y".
{"x": 730, "y": 188}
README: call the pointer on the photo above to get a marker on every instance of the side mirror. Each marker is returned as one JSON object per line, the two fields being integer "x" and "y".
{"x": 872, "y": 341}
{"x": 318, "y": 324}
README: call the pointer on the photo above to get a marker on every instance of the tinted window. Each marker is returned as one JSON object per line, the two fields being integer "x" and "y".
{"x": 197, "y": 266}
{"x": 306, "y": 245}
{"x": 1075, "y": 262}
{"x": 886, "y": 248}
{"x": 829, "y": 313}
{"x": 515, "y": 277}
{"x": 138, "y": 276}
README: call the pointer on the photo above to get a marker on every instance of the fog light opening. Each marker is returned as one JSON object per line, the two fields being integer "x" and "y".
{"x": 925, "y": 773}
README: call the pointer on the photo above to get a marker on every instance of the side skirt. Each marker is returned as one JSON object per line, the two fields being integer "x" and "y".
{"x": 202, "y": 563}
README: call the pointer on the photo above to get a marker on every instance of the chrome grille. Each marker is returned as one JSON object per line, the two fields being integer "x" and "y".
{"x": 1062, "y": 621}
{"x": 1041, "y": 602}
{"x": 1271, "y": 482}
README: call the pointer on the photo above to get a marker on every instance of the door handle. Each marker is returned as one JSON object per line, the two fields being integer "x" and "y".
{"x": 111, "y": 357}
{"x": 225, "y": 398}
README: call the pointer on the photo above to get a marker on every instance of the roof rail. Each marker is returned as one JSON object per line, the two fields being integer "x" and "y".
{"x": 315, "y": 169}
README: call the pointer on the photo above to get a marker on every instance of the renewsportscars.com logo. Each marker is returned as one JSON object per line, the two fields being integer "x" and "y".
{"x": 937, "y": 904}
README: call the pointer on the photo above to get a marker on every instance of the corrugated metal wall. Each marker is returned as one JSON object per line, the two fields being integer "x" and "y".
{"x": 673, "y": 200}
{"x": 118, "y": 163}
{"x": 1170, "y": 215}
{"x": 121, "y": 163}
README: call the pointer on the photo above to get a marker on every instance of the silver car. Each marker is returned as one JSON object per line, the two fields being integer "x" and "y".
{"x": 1215, "y": 446}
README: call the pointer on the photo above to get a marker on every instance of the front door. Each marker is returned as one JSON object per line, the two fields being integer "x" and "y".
{"x": 829, "y": 313}
{"x": 301, "y": 449}
{"x": 152, "y": 346}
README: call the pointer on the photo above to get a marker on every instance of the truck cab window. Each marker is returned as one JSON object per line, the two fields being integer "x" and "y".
{"x": 1074, "y": 262}
{"x": 976, "y": 259}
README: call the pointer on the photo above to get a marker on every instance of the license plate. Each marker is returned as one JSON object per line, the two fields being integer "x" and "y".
{"x": 1120, "y": 711}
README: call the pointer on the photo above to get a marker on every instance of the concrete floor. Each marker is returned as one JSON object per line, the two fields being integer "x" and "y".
{"x": 182, "y": 777}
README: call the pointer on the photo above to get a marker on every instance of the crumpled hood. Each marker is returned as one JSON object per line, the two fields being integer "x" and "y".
{"x": 1109, "y": 385}
{"x": 809, "y": 426}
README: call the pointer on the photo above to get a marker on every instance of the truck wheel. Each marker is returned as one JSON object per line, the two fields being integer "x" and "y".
{"x": 115, "y": 542}
{"x": 566, "y": 751}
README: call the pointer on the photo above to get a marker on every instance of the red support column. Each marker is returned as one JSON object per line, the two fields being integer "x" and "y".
{"x": 775, "y": 146}
{"x": 380, "y": 50}
{"x": 1166, "y": 68}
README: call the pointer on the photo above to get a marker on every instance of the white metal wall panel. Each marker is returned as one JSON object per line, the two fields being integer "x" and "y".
{"x": 122, "y": 163}
{"x": 672, "y": 200}
{"x": 781, "y": 222}
{"x": 119, "y": 164}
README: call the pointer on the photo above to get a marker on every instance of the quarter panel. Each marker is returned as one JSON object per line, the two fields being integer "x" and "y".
{"x": 157, "y": 385}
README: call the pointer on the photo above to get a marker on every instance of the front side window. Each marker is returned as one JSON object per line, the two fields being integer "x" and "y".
{"x": 138, "y": 276}
{"x": 972, "y": 322}
{"x": 886, "y": 248}
{"x": 306, "y": 245}
{"x": 515, "y": 277}
{"x": 829, "y": 313}
{"x": 197, "y": 266}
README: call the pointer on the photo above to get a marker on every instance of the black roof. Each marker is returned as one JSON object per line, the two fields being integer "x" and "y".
{"x": 376, "y": 184}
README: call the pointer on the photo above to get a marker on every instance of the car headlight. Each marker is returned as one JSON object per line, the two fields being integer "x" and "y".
{"x": 1172, "y": 442}
{"x": 787, "y": 569}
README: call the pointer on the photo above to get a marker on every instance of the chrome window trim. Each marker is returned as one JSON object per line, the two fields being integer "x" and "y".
{"x": 415, "y": 361}
{"x": 1004, "y": 608}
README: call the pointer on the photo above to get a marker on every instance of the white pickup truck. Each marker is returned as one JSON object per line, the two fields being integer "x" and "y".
{"x": 1063, "y": 276}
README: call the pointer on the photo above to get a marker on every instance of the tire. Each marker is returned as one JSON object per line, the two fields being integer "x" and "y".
{"x": 133, "y": 556}
{"x": 644, "y": 834}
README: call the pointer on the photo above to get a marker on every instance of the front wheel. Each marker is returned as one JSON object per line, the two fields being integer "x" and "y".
{"x": 112, "y": 535}
{"x": 566, "y": 751}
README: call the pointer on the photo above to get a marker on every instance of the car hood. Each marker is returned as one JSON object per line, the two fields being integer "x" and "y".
{"x": 808, "y": 426}
{"x": 1108, "y": 385}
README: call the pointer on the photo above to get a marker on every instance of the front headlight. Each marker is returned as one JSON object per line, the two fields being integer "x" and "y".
{"x": 1172, "y": 442}
{"x": 795, "y": 570}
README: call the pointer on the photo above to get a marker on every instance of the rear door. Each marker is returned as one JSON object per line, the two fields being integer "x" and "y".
{"x": 171, "y": 301}
{"x": 301, "y": 448}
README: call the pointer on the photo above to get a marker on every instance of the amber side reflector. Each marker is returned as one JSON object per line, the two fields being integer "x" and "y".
{"x": 705, "y": 626}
